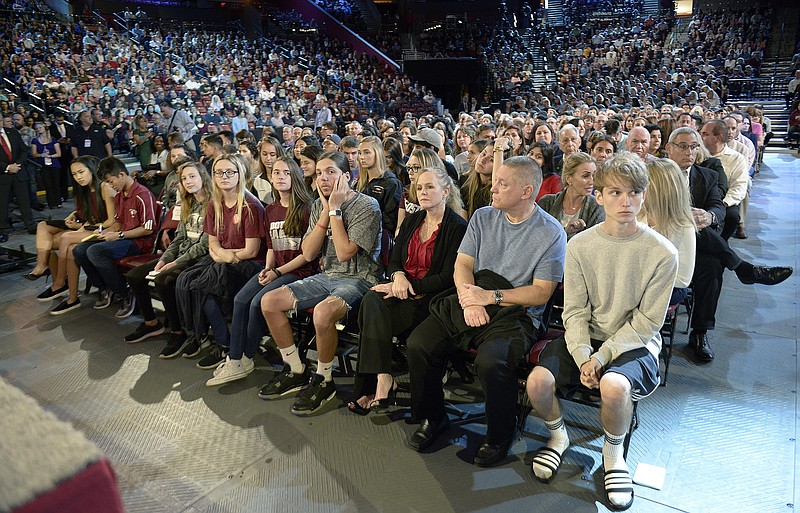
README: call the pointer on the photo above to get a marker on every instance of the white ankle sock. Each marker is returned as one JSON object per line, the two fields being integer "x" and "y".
{"x": 292, "y": 357}
{"x": 559, "y": 441}
{"x": 613, "y": 459}
{"x": 325, "y": 369}
{"x": 613, "y": 451}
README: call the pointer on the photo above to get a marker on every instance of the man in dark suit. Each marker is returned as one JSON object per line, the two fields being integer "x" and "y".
{"x": 714, "y": 254}
{"x": 13, "y": 155}
{"x": 61, "y": 132}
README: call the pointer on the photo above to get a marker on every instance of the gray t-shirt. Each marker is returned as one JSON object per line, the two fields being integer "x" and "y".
{"x": 362, "y": 220}
{"x": 532, "y": 249}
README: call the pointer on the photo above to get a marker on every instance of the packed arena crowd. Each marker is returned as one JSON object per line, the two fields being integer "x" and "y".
{"x": 265, "y": 197}
{"x": 634, "y": 61}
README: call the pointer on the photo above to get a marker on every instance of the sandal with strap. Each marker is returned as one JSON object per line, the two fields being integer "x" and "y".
{"x": 618, "y": 481}
{"x": 549, "y": 459}
{"x": 379, "y": 405}
{"x": 356, "y": 408}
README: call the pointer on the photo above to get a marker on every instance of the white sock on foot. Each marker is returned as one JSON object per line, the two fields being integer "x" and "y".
{"x": 613, "y": 459}
{"x": 292, "y": 357}
{"x": 559, "y": 441}
{"x": 325, "y": 369}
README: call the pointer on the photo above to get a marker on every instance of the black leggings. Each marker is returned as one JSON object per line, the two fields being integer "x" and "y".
{"x": 51, "y": 176}
{"x": 165, "y": 285}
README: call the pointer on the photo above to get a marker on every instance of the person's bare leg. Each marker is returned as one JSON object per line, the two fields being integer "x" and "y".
{"x": 326, "y": 314}
{"x": 66, "y": 242}
{"x": 615, "y": 416}
{"x": 384, "y": 386}
{"x": 274, "y": 305}
{"x": 73, "y": 273}
{"x": 541, "y": 389}
{"x": 44, "y": 245}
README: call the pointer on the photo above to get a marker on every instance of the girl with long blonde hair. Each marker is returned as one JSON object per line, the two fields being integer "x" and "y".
{"x": 667, "y": 209}
{"x": 374, "y": 179}
{"x": 234, "y": 224}
{"x": 189, "y": 245}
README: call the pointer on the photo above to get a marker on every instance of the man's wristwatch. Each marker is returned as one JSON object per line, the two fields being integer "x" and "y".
{"x": 121, "y": 235}
{"x": 335, "y": 212}
{"x": 713, "y": 219}
{"x": 498, "y": 297}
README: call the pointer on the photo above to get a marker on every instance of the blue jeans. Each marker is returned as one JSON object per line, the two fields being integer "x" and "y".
{"x": 97, "y": 260}
{"x": 248, "y": 325}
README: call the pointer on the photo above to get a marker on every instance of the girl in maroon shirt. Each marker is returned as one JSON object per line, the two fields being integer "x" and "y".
{"x": 235, "y": 227}
{"x": 286, "y": 223}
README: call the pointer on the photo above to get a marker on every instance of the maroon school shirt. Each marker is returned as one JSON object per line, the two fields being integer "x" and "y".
{"x": 286, "y": 248}
{"x": 234, "y": 231}
{"x": 134, "y": 209}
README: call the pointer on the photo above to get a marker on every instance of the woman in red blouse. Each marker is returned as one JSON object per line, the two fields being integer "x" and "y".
{"x": 421, "y": 266}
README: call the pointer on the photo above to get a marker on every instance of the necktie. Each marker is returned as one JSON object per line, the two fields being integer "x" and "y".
{"x": 6, "y": 147}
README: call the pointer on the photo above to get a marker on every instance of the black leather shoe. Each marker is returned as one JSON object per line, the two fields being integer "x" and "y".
{"x": 3, "y": 237}
{"x": 427, "y": 432}
{"x": 702, "y": 349}
{"x": 764, "y": 275}
{"x": 489, "y": 455}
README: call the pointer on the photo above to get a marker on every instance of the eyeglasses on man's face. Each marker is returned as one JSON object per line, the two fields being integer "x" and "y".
{"x": 684, "y": 146}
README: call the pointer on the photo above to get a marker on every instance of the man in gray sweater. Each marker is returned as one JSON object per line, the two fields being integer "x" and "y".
{"x": 618, "y": 277}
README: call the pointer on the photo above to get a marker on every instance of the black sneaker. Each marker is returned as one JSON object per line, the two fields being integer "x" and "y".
{"x": 284, "y": 383}
{"x": 213, "y": 358}
{"x": 313, "y": 398}
{"x": 65, "y": 306}
{"x": 194, "y": 347}
{"x": 144, "y": 332}
{"x": 49, "y": 293}
{"x": 174, "y": 346}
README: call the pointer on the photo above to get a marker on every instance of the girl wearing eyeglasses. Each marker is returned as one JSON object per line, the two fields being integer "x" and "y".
{"x": 286, "y": 223}
{"x": 235, "y": 226}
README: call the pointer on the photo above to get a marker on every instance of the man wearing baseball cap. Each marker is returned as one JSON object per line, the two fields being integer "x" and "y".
{"x": 430, "y": 138}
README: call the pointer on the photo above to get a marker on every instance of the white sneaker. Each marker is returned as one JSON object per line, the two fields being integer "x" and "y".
{"x": 222, "y": 365}
{"x": 231, "y": 370}
{"x": 247, "y": 363}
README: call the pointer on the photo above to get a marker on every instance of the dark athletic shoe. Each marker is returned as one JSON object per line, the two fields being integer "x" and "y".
{"x": 144, "y": 332}
{"x": 313, "y": 398}
{"x": 284, "y": 383}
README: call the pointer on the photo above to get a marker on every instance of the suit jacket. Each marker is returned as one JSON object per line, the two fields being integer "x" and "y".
{"x": 57, "y": 135}
{"x": 715, "y": 165}
{"x": 706, "y": 195}
{"x": 19, "y": 152}
{"x": 445, "y": 250}
{"x": 705, "y": 192}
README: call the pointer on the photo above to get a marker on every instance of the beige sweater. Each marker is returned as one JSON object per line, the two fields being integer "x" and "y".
{"x": 616, "y": 290}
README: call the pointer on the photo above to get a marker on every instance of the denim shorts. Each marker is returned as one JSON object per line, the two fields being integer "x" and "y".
{"x": 313, "y": 290}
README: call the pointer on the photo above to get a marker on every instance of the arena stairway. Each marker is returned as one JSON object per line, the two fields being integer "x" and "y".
{"x": 651, "y": 7}
{"x": 555, "y": 13}
{"x": 543, "y": 74}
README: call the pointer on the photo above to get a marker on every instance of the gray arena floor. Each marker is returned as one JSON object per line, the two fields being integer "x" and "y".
{"x": 725, "y": 432}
